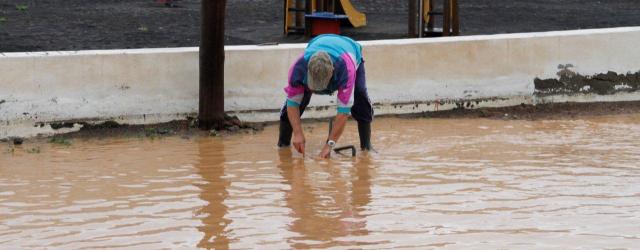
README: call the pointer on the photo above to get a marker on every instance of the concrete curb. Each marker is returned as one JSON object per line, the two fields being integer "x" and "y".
{"x": 403, "y": 76}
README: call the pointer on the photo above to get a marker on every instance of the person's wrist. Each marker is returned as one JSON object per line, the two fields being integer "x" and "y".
{"x": 331, "y": 143}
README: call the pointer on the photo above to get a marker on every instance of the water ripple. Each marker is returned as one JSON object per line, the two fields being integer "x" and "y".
{"x": 434, "y": 183}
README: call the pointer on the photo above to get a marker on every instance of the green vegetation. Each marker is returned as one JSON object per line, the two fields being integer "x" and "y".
{"x": 3, "y": 19}
{"x": 214, "y": 132}
{"x": 11, "y": 150}
{"x": 22, "y": 7}
{"x": 60, "y": 141}
{"x": 35, "y": 150}
{"x": 153, "y": 133}
{"x": 150, "y": 133}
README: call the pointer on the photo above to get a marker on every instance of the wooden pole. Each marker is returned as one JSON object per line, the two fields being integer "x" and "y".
{"x": 299, "y": 14}
{"x": 412, "y": 18}
{"x": 211, "y": 105}
{"x": 286, "y": 17}
{"x": 455, "y": 23}
{"x": 431, "y": 21}
{"x": 308, "y": 9}
{"x": 446, "y": 24}
{"x": 421, "y": 18}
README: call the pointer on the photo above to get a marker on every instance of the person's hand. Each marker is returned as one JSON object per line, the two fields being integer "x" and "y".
{"x": 326, "y": 152}
{"x": 298, "y": 142}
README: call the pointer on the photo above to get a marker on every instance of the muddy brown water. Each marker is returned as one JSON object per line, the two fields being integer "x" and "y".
{"x": 459, "y": 183}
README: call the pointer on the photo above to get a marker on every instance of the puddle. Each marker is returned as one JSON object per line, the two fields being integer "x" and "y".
{"x": 456, "y": 183}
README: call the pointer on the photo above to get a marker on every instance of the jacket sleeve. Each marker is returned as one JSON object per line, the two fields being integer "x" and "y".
{"x": 347, "y": 77}
{"x": 295, "y": 87}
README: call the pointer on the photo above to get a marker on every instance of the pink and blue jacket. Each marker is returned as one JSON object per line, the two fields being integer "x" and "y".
{"x": 346, "y": 55}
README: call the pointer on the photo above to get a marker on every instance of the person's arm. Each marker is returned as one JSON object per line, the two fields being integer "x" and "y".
{"x": 346, "y": 90}
{"x": 293, "y": 112}
{"x": 295, "y": 94}
{"x": 336, "y": 131}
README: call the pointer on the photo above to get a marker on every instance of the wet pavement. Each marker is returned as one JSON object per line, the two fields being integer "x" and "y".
{"x": 457, "y": 183}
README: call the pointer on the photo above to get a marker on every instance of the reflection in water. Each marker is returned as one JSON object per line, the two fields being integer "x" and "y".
{"x": 460, "y": 183}
{"x": 324, "y": 214}
{"x": 361, "y": 192}
{"x": 211, "y": 167}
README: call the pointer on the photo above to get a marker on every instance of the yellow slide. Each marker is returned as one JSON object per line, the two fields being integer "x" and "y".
{"x": 357, "y": 18}
{"x": 426, "y": 6}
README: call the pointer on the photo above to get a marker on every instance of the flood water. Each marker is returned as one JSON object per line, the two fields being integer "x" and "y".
{"x": 453, "y": 183}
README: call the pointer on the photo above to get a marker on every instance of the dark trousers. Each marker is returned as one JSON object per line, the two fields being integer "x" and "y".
{"x": 361, "y": 111}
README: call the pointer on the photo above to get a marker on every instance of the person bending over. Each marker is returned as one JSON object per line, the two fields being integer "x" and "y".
{"x": 330, "y": 63}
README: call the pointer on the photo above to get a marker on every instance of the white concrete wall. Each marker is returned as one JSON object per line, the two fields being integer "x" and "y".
{"x": 155, "y": 85}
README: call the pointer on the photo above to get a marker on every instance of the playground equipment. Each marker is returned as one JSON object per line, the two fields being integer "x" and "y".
{"x": 425, "y": 12}
{"x": 299, "y": 15}
{"x": 325, "y": 22}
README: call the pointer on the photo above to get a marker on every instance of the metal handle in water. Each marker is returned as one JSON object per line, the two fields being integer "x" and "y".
{"x": 353, "y": 150}
{"x": 340, "y": 149}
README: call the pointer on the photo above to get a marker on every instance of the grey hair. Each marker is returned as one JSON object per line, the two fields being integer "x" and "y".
{"x": 320, "y": 70}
